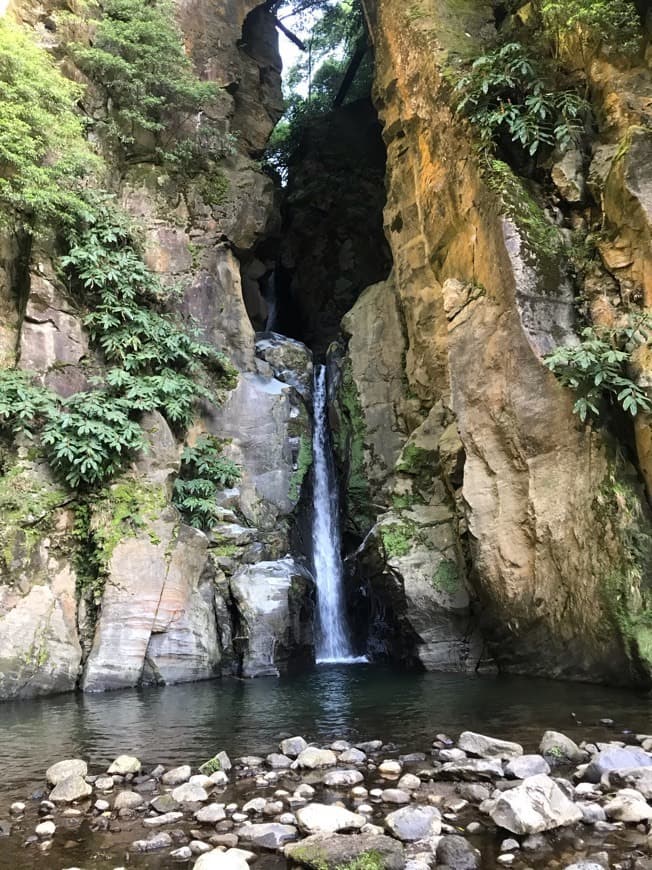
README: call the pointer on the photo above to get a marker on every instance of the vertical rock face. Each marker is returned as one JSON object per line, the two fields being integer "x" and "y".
{"x": 529, "y": 492}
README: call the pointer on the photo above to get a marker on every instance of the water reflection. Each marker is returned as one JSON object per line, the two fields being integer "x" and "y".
{"x": 190, "y": 723}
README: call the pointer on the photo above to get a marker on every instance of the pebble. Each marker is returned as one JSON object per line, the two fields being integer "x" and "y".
{"x": 17, "y": 808}
{"x": 390, "y": 768}
{"x": 102, "y": 806}
{"x": 45, "y": 830}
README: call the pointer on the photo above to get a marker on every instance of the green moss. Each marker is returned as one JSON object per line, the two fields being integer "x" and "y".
{"x": 225, "y": 551}
{"x": 422, "y": 466}
{"x": 371, "y": 860}
{"x": 398, "y": 538}
{"x": 304, "y": 461}
{"x": 350, "y": 446}
{"x": 213, "y": 187}
{"x": 446, "y": 577}
{"x": 211, "y": 766}
{"x": 539, "y": 235}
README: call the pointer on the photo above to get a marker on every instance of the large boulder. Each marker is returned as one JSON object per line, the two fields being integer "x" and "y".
{"x": 267, "y": 835}
{"x": 291, "y": 361}
{"x": 275, "y": 606}
{"x": 538, "y": 804}
{"x": 330, "y": 851}
{"x": 414, "y": 823}
{"x": 488, "y": 747}
{"x": 325, "y": 818}
{"x": 616, "y": 759}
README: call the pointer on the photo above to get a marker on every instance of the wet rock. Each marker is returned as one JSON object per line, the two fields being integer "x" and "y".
{"x": 472, "y": 769}
{"x": 312, "y": 758}
{"x": 73, "y": 788}
{"x": 592, "y": 813}
{"x": 558, "y": 747}
{"x": 177, "y": 775}
{"x": 17, "y": 808}
{"x": 218, "y": 860}
{"x": 539, "y": 804}
{"x": 45, "y": 830}
{"x": 409, "y": 782}
{"x": 526, "y": 765}
{"x": 63, "y": 769}
{"x": 199, "y": 847}
{"x": 629, "y": 806}
{"x": 219, "y": 762}
{"x": 330, "y": 851}
{"x": 639, "y": 778}
{"x": 509, "y": 845}
{"x": 390, "y": 768}
{"x": 219, "y": 778}
{"x": 473, "y": 792}
{"x": 165, "y": 819}
{"x": 414, "y": 823}
{"x": 342, "y": 778}
{"x": 164, "y": 803}
{"x": 153, "y": 844}
{"x": 395, "y": 796}
{"x": 568, "y": 176}
{"x": 452, "y": 755}
{"x": 104, "y": 783}
{"x": 182, "y": 854}
{"x": 128, "y": 800}
{"x": 488, "y": 747}
{"x": 322, "y": 818}
{"x": 369, "y": 746}
{"x": 189, "y": 794}
{"x": 457, "y": 853}
{"x": 353, "y": 756}
{"x": 293, "y": 746}
{"x": 211, "y": 814}
{"x": 584, "y": 865}
{"x": 278, "y": 762}
{"x": 255, "y": 805}
{"x": 616, "y": 758}
{"x": 102, "y": 806}
{"x": 125, "y": 764}
{"x": 267, "y": 835}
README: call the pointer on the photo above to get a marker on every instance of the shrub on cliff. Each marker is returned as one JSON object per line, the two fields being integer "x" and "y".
{"x": 43, "y": 154}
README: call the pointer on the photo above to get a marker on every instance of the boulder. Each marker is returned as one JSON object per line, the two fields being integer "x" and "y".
{"x": 154, "y": 843}
{"x": 63, "y": 769}
{"x": 293, "y": 746}
{"x": 526, "y": 765}
{"x": 568, "y": 176}
{"x": 330, "y": 851}
{"x": 232, "y": 859}
{"x": 342, "y": 778}
{"x": 616, "y": 759}
{"x": 275, "y": 605}
{"x": 538, "y": 804}
{"x": 639, "y": 778}
{"x": 128, "y": 800}
{"x": 211, "y": 814}
{"x": 312, "y": 758}
{"x": 189, "y": 794}
{"x": 291, "y": 361}
{"x": 177, "y": 775}
{"x": 456, "y": 852}
{"x": 278, "y": 762}
{"x": 488, "y": 747}
{"x": 322, "y": 818}
{"x": 269, "y": 835}
{"x": 353, "y": 756}
{"x": 414, "y": 823}
{"x": 395, "y": 796}
{"x": 629, "y": 806}
{"x": 125, "y": 764}
{"x": 73, "y": 788}
{"x": 559, "y": 747}
{"x": 165, "y": 819}
{"x": 472, "y": 769}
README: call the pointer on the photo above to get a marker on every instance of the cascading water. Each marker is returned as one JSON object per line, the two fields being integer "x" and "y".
{"x": 333, "y": 642}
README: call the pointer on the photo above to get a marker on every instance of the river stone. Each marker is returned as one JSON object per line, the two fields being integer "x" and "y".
{"x": 451, "y": 755}
{"x": 414, "y": 823}
{"x": 322, "y": 818}
{"x": 342, "y": 778}
{"x": 639, "y": 778}
{"x": 189, "y": 794}
{"x": 278, "y": 762}
{"x": 211, "y": 814}
{"x": 182, "y": 854}
{"x": 202, "y": 780}
{"x": 128, "y": 800}
{"x": 73, "y": 788}
{"x": 164, "y": 803}
{"x": 255, "y": 805}
{"x": 558, "y": 746}
{"x": 330, "y": 851}
{"x": 312, "y": 758}
{"x": 125, "y": 764}
{"x": 488, "y": 747}
{"x": 409, "y": 782}
{"x": 353, "y": 756}
{"x": 538, "y": 804}
{"x": 293, "y": 746}
{"x": 472, "y": 769}
{"x": 104, "y": 783}
{"x": 153, "y": 843}
{"x": 526, "y": 765}
{"x": 165, "y": 819}
{"x": 616, "y": 758}
{"x": 63, "y": 769}
{"x": 219, "y": 778}
{"x": 592, "y": 813}
{"x": 232, "y": 859}
{"x": 395, "y": 796}
{"x": 267, "y": 835}
{"x": 221, "y": 761}
{"x": 45, "y": 830}
{"x": 456, "y": 852}
{"x": 177, "y": 775}
{"x": 629, "y": 806}
{"x": 390, "y": 768}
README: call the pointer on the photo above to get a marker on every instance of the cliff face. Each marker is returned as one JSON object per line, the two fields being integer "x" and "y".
{"x": 163, "y": 607}
{"x": 547, "y": 522}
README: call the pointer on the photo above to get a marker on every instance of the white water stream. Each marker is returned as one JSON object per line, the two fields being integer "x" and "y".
{"x": 333, "y": 644}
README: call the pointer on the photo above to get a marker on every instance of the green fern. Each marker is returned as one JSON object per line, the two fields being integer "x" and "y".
{"x": 204, "y": 471}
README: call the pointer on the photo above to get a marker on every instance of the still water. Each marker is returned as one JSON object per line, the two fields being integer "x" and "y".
{"x": 189, "y": 723}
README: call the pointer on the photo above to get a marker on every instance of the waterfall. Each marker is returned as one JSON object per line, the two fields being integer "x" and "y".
{"x": 333, "y": 644}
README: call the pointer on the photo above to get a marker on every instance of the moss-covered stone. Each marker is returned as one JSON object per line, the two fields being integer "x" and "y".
{"x": 446, "y": 578}
{"x": 304, "y": 462}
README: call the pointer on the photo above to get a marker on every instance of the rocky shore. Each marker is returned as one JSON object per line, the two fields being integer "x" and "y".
{"x": 480, "y": 802}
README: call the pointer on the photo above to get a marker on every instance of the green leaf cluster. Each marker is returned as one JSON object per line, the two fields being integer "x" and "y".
{"x": 508, "y": 97}
{"x": 204, "y": 471}
{"x": 597, "y": 369}
{"x": 137, "y": 58}
{"x": 43, "y": 154}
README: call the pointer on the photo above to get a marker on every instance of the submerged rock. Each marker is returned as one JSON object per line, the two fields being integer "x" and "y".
{"x": 125, "y": 764}
{"x": 342, "y": 778}
{"x": 267, "y": 835}
{"x": 73, "y": 788}
{"x": 63, "y": 769}
{"x": 414, "y": 823}
{"x": 293, "y": 746}
{"x": 539, "y": 804}
{"x": 456, "y": 852}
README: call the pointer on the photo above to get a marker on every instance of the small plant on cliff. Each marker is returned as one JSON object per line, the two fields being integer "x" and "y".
{"x": 597, "y": 369}
{"x": 24, "y": 405}
{"x": 509, "y": 100}
{"x": 137, "y": 58}
{"x": 580, "y": 30}
{"x": 204, "y": 471}
{"x": 43, "y": 154}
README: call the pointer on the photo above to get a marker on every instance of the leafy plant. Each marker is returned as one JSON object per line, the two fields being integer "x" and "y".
{"x": 91, "y": 438}
{"x": 203, "y": 472}
{"x": 507, "y": 97}
{"x": 137, "y": 57}
{"x": 582, "y": 29}
{"x": 43, "y": 153}
{"x": 596, "y": 369}
{"x": 24, "y": 405}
